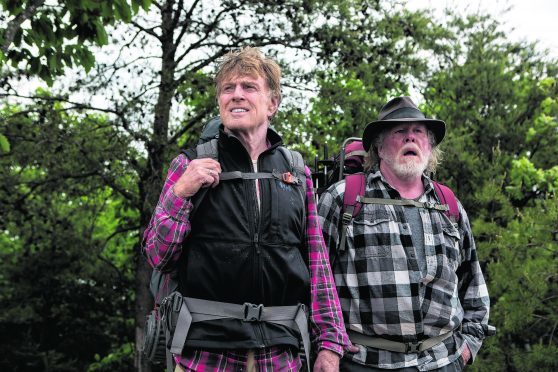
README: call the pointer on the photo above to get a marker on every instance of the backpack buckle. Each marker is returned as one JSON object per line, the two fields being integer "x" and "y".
{"x": 429, "y": 205}
{"x": 412, "y": 347}
{"x": 346, "y": 218}
{"x": 252, "y": 312}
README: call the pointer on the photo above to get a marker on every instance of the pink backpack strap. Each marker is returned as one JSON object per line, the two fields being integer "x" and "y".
{"x": 354, "y": 186}
{"x": 446, "y": 196}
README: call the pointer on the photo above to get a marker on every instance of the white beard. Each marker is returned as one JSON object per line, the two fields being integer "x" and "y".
{"x": 410, "y": 168}
{"x": 407, "y": 168}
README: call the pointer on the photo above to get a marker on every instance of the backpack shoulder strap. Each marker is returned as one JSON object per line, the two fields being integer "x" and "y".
{"x": 296, "y": 162}
{"x": 446, "y": 196}
{"x": 207, "y": 149}
{"x": 354, "y": 186}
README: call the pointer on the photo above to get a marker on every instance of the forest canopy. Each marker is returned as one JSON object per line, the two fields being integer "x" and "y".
{"x": 98, "y": 97}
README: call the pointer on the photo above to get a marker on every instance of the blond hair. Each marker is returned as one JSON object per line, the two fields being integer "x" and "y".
{"x": 250, "y": 61}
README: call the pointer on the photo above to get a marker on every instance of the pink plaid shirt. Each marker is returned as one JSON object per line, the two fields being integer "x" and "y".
{"x": 162, "y": 244}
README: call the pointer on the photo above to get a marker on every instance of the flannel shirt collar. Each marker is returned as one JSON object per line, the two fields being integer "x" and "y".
{"x": 376, "y": 175}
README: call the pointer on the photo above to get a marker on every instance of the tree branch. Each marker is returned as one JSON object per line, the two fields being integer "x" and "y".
{"x": 15, "y": 24}
{"x": 188, "y": 126}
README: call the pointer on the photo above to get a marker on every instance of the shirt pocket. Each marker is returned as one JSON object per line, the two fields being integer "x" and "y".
{"x": 451, "y": 245}
{"x": 371, "y": 235}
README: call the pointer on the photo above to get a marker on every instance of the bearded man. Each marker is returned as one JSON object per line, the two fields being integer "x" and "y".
{"x": 411, "y": 288}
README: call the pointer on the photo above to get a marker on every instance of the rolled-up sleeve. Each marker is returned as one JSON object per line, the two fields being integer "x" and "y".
{"x": 169, "y": 224}
{"x": 473, "y": 292}
{"x": 327, "y": 325}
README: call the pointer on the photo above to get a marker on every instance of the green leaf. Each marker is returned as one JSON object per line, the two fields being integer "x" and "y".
{"x": 102, "y": 37}
{"x": 4, "y": 144}
{"x": 53, "y": 62}
{"x": 122, "y": 10}
{"x": 135, "y": 6}
{"x": 146, "y": 4}
{"x": 88, "y": 59}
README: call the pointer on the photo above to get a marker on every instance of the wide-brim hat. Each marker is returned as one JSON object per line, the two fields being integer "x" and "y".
{"x": 401, "y": 110}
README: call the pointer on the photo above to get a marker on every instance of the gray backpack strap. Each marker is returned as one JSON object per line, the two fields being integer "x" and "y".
{"x": 208, "y": 150}
{"x": 285, "y": 177}
{"x": 403, "y": 202}
{"x": 296, "y": 162}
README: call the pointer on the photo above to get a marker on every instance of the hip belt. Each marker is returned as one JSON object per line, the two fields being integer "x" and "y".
{"x": 192, "y": 310}
{"x": 398, "y": 347}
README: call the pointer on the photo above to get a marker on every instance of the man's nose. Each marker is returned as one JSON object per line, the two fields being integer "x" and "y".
{"x": 238, "y": 93}
{"x": 409, "y": 137}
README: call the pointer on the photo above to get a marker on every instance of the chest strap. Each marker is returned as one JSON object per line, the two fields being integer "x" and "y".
{"x": 403, "y": 202}
{"x": 348, "y": 215}
{"x": 286, "y": 177}
{"x": 193, "y": 310}
{"x": 398, "y": 347}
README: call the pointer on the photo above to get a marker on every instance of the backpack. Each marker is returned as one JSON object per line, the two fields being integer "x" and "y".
{"x": 163, "y": 284}
{"x": 349, "y": 165}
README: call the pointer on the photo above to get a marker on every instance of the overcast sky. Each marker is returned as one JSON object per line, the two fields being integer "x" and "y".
{"x": 532, "y": 20}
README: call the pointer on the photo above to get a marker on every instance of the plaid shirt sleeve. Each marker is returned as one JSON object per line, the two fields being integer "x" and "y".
{"x": 473, "y": 293}
{"x": 169, "y": 225}
{"x": 326, "y": 319}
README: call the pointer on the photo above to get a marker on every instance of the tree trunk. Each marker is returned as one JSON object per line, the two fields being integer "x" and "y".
{"x": 151, "y": 181}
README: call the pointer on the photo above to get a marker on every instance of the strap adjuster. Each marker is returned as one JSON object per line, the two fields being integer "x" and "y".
{"x": 429, "y": 205}
{"x": 252, "y": 312}
{"x": 346, "y": 218}
{"x": 412, "y": 347}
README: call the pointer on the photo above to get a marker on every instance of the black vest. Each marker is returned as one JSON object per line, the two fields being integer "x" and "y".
{"x": 238, "y": 253}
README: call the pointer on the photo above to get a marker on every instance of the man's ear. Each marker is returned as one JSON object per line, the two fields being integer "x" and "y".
{"x": 272, "y": 107}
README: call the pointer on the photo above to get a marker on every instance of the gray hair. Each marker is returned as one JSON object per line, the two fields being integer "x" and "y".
{"x": 372, "y": 159}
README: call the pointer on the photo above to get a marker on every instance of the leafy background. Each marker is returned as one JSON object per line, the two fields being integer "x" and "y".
{"x": 97, "y": 97}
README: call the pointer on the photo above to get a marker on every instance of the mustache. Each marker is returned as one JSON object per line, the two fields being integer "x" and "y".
{"x": 410, "y": 148}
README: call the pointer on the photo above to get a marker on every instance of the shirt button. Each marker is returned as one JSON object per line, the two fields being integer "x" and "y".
{"x": 404, "y": 227}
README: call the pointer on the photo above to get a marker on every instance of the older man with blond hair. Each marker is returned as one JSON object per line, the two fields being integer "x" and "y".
{"x": 253, "y": 252}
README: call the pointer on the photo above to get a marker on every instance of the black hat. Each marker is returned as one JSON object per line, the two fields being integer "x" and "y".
{"x": 400, "y": 110}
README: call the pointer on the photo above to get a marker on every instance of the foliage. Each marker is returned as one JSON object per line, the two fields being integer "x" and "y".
{"x": 49, "y": 37}
{"x": 119, "y": 360}
{"x": 66, "y": 244}
{"x": 498, "y": 99}
{"x": 79, "y": 177}
{"x": 369, "y": 52}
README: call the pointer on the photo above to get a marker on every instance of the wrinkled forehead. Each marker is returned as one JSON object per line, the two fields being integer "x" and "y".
{"x": 236, "y": 76}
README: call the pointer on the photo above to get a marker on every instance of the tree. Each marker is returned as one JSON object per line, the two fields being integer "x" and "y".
{"x": 186, "y": 40}
{"x": 499, "y": 101}
{"x": 66, "y": 282}
{"x": 50, "y": 36}
{"x": 156, "y": 93}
